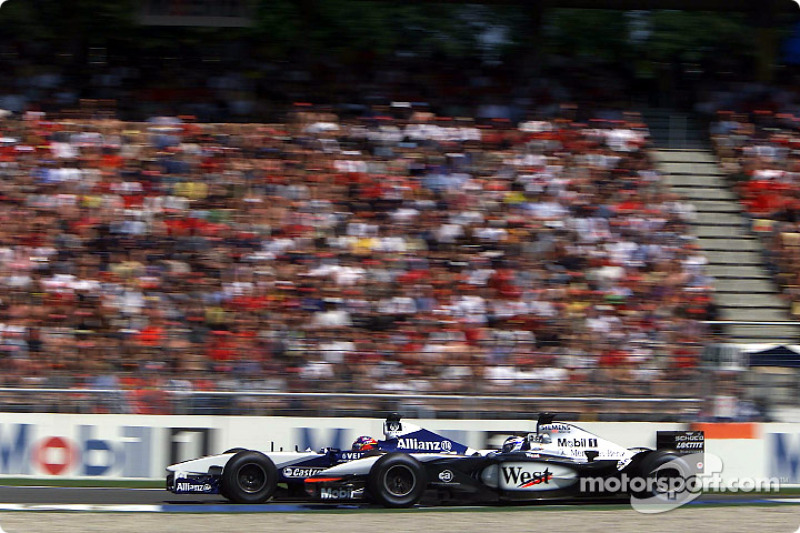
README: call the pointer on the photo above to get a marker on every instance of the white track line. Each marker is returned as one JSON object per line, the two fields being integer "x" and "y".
{"x": 82, "y": 507}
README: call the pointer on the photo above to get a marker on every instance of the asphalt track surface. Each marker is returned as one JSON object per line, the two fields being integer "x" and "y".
{"x": 32, "y": 496}
{"x": 115, "y": 510}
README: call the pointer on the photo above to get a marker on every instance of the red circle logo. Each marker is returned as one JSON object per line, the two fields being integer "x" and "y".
{"x": 55, "y": 455}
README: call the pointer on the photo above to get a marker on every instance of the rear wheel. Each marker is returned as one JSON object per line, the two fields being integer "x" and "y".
{"x": 663, "y": 471}
{"x": 396, "y": 480}
{"x": 249, "y": 477}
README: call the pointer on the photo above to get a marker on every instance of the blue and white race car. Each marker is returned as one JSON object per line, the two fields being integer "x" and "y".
{"x": 250, "y": 476}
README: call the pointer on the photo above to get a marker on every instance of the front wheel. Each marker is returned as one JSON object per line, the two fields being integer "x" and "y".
{"x": 235, "y": 450}
{"x": 396, "y": 480}
{"x": 249, "y": 477}
{"x": 222, "y": 489}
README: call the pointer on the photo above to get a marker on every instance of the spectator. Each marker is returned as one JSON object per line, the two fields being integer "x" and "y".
{"x": 431, "y": 258}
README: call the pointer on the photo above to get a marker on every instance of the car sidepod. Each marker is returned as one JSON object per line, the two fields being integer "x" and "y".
{"x": 345, "y": 482}
{"x": 513, "y": 477}
{"x": 530, "y": 478}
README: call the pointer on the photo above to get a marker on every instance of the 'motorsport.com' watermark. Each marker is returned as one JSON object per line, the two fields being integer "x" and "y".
{"x": 668, "y": 482}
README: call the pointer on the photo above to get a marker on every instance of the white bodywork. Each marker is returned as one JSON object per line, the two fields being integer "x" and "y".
{"x": 204, "y": 464}
{"x": 571, "y": 442}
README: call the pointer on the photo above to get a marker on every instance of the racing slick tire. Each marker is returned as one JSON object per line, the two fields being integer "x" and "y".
{"x": 249, "y": 477}
{"x": 663, "y": 468}
{"x": 396, "y": 480}
{"x": 222, "y": 490}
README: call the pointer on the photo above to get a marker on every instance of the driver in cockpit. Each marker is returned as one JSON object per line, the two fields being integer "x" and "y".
{"x": 533, "y": 441}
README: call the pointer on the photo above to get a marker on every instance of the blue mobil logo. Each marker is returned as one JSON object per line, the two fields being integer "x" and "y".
{"x": 783, "y": 454}
{"x": 28, "y": 449}
{"x": 316, "y": 439}
{"x": 24, "y": 452}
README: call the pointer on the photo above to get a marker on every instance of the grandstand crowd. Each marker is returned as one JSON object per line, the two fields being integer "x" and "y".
{"x": 388, "y": 250}
{"x": 756, "y": 139}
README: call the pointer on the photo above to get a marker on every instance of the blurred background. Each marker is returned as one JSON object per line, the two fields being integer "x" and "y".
{"x": 449, "y": 209}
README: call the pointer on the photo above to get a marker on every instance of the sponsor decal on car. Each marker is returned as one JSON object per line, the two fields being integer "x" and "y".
{"x": 351, "y": 456}
{"x": 416, "y": 444}
{"x": 694, "y": 440}
{"x": 446, "y": 476}
{"x": 577, "y": 443}
{"x": 683, "y": 441}
{"x": 299, "y": 472}
{"x": 603, "y": 454}
{"x": 192, "y": 487}
{"x": 335, "y": 493}
{"x": 535, "y": 476}
{"x": 523, "y": 479}
{"x": 613, "y": 454}
{"x": 555, "y": 428}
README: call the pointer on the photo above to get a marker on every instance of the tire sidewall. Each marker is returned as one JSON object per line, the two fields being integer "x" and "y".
{"x": 222, "y": 490}
{"x": 377, "y": 480}
{"x": 653, "y": 461}
{"x": 229, "y": 482}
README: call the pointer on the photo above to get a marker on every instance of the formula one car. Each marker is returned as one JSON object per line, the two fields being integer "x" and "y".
{"x": 557, "y": 461}
{"x": 249, "y": 476}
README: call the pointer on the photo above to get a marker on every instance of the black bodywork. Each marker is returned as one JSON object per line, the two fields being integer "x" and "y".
{"x": 400, "y": 480}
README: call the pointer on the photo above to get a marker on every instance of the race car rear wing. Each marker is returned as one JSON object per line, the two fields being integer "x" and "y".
{"x": 683, "y": 442}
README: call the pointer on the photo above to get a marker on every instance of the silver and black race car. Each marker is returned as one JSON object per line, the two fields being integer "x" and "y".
{"x": 251, "y": 476}
{"x": 557, "y": 461}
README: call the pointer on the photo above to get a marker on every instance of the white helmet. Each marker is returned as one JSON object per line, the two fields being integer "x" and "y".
{"x": 513, "y": 444}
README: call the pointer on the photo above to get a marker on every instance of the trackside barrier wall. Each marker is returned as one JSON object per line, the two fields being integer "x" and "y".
{"x": 135, "y": 447}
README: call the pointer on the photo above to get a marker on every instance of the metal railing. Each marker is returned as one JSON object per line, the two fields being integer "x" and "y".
{"x": 320, "y": 404}
{"x": 649, "y": 391}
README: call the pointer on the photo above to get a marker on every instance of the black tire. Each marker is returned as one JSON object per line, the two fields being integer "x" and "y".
{"x": 222, "y": 490}
{"x": 249, "y": 477}
{"x": 396, "y": 480}
{"x": 661, "y": 465}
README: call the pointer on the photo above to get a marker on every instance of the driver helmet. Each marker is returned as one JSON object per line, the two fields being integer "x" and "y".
{"x": 364, "y": 443}
{"x": 545, "y": 438}
{"x": 513, "y": 444}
